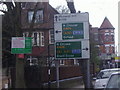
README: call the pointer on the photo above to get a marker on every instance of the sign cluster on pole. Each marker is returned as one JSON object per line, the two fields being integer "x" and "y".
{"x": 71, "y": 36}
{"x": 72, "y": 39}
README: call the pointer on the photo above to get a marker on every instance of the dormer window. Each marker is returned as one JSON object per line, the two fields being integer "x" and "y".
{"x": 38, "y": 16}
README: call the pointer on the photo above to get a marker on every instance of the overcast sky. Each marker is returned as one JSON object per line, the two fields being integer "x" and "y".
{"x": 97, "y": 9}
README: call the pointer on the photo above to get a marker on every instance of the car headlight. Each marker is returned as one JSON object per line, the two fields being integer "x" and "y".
{"x": 97, "y": 81}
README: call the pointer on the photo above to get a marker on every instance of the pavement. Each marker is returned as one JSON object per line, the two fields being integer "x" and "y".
{"x": 79, "y": 86}
{"x": 70, "y": 83}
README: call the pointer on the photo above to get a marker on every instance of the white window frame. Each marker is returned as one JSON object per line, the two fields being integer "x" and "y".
{"x": 38, "y": 17}
{"x": 107, "y": 45}
{"x": 39, "y": 39}
{"x": 112, "y": 33}
{"x": 113, "y": 49}
{"x": 106, "y": 30}
{"x": 32, "y": 60}
{"x": 62, "y": 62}
{"x": 96, "y": 36}
{"x": 42, "y": 39}
{"x": 30, "y": 16}
{"x": 76, "y": 62}
{"x": 107, "y": 49}
{"x": 112, "y": 45}
{"x": 112, "y": 38}
{"x": 107, "y": 38}
{"x": 50, "y": 37}
{"x": 25, "y": 34}
{"x": 107, "y": 33}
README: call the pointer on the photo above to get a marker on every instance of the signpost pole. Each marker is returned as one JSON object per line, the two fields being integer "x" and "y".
{"x": 57, "y": 73}
{"x": 49, "y": 71}
{"x": 88, "y": 73}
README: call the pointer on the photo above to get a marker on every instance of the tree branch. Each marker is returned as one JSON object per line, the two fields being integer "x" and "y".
{"x": 70, "y": 4}
{"x": 3, "y": 11}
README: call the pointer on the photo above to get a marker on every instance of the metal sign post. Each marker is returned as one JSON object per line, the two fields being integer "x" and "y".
{"x": 88, "y": 73}
{"x": 57, "y": 73}
{"x": 49, "y": 66}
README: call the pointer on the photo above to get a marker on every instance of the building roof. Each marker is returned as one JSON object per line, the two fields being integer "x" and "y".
{"x": 106, "y": 24}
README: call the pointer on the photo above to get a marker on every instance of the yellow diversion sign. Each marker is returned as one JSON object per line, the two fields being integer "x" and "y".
{"x": 117, "y": 59}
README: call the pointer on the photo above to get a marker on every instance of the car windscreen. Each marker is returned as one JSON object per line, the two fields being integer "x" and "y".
{"x": 105, "y": 74}
{"x": 114, "y": 81}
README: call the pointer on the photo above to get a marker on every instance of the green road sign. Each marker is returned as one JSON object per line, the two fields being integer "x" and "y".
{"x": 26, "y": 45}
{"x": 68, "y": 49}
{"x": 72, "y": 31}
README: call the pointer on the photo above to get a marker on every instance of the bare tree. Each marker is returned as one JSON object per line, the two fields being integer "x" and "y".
{"x": 62, "y": 9}
{"x": 12, "y": 26}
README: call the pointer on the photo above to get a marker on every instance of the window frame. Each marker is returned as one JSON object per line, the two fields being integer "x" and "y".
{"x": 62, "y": 62}
{"x": 112, "y": 38}
{"x": 25, "y": 34}
{"x": 50, "y": 37}
{"x": 107, "y": 49}
{"x": 76, "y": 62}
{"x": 40, "y": 21}
{"x": 107, "y": 38}
{"x": 40, "y": 39}
{"x": 32, "y": 60}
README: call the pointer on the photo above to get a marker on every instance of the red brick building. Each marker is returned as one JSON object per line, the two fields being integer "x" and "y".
{"x": 42, "y": 32}
{"x": 104, "y": 36}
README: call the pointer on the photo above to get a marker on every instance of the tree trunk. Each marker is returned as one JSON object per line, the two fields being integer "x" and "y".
{"x": 20, "y": 81}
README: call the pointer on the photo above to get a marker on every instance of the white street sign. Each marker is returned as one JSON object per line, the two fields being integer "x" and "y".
{"x": 71, "y": 26}
{"x": 71, "y": 29}
{"x": 18, "y": 42}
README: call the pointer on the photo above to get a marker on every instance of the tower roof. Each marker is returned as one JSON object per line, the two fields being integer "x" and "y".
{"x": 106, "y": 24}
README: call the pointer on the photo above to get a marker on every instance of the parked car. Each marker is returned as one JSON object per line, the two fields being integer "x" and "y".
{"x": 102, "y": 77}
{"x": 113, "y": 82}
